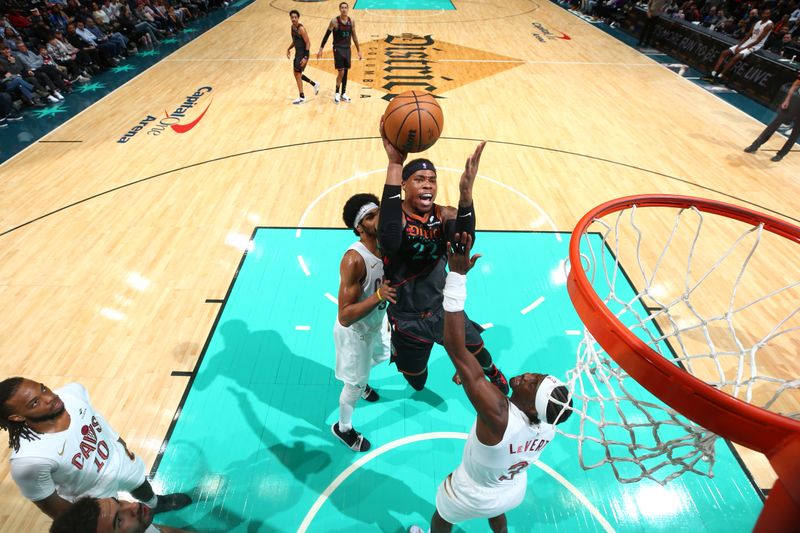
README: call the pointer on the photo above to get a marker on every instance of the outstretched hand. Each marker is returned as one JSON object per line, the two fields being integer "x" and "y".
{"x": 458, "y": 259}
{"x": 394, "y": 155}
{"x": 471, "y": 170}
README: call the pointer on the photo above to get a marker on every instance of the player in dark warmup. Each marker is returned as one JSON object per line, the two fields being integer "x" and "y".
{"x": 302, "y": 45}
{"x": 412, "y": 236}
{"x": 343, "y": 28}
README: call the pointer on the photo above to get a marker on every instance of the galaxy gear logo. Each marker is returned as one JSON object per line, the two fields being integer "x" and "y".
{"x": 405, "y": 62}
{"x": 172, "y": 121}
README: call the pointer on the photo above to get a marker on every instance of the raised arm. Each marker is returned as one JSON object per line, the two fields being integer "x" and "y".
{"x": 491, "y": 405}
{"x": 390, "y": 225}
{"x": 463, "y": 220}
{"x": 351, "y": 271}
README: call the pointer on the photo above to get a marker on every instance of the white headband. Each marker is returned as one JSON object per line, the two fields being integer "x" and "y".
{"x": 366, "y": 208}
{"x": 543, "y": 396}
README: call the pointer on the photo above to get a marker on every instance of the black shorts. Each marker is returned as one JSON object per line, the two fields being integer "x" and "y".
{"x": 297, "y": 60}
{"x": 341, "y": 58}
{"x": 413, "y": 340}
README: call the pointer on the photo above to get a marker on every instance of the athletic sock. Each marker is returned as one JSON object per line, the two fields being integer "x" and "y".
{"x": 344, "y": 82}
{"x": 152, "y": 502}
{"x": 302, "y": 95}
{"x": 307, "y": 79}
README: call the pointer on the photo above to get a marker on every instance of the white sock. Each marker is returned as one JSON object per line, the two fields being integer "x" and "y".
{"x": 713, "y": 72}
{"x": 347, "y": 403}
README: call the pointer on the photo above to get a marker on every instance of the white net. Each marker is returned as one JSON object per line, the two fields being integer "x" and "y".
{"x": 713, "y": 295}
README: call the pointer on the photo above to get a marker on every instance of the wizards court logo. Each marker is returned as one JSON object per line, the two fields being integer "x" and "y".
{"x": 399, "y": 63}
{"x": 174, "y": 120}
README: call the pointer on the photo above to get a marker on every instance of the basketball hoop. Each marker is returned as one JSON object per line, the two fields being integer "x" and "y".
{"x": 660, "y": 345}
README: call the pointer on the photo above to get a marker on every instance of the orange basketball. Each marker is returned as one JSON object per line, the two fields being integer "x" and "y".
{"x": 413, "y": 121}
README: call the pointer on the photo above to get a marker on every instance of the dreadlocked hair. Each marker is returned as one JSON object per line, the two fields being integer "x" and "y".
{"x": 15, "y": 429}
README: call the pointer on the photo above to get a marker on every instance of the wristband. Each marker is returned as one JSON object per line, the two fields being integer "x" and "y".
{"x": 378, "y": 294}
{"x": 455, "y": 292}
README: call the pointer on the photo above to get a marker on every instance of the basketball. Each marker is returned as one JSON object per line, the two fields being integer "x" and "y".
{"x": 413, "y": 121}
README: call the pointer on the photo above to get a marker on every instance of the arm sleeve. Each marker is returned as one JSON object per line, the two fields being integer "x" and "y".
{"x": 325, "y": 39}
{"x": 465, "y": 220}
{"x": 33, "y": 477}
{"x": 390, "y": 227}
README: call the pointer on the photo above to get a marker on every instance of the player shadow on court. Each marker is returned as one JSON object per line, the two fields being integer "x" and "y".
{"x": 214, "y": 518}
{"x": 261, "y": 362}
{"x": 379, "y": 495}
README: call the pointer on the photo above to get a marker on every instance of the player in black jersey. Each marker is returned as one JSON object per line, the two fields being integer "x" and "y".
{"x": 413, "y": 236}
{"x": 343, "y": 28}
{"x": 301, "y": 44}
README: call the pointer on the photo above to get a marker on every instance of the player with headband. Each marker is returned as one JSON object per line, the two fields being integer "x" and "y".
{"x": 360, "y": 332}
{"x": 412, "y": 236}
{"x": 508, "y": 435}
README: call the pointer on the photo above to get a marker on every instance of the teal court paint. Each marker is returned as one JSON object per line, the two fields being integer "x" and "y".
{"x": 253, "y": 436}
{"x": 405, "y": 5}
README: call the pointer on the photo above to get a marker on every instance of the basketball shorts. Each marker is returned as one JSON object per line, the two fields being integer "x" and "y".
{"x": 459, "y": 499}
{"x": 341, "y": 58}
{"x": 413, "y": 339}
{"x": 357, "y": 352}
{"x": 746, "y": 52}
{"x": 297, "y": 66}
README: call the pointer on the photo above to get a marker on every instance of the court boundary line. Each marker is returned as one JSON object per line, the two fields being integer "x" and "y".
{"x": 347, "y": 139}
{"x": 438, "y": 435}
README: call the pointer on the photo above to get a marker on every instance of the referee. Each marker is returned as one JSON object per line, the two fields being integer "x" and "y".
{"x": 789, "y": 111}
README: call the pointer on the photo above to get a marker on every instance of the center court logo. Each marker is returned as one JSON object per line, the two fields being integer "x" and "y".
{"x": 397, "y": 63}
{"x": 543, "y": 35}
{"x": 174, "y": 120}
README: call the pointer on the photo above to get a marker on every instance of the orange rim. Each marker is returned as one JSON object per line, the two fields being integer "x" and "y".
{"x": 734, "y": 419}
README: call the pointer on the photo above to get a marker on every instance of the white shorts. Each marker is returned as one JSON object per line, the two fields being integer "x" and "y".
{"x": 460, "y": 501}
{"x": 357, "y": 353}
{"x": 745, "y": 52}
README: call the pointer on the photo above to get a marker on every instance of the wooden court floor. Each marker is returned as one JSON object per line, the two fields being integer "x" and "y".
{"x": 109, "y": 250}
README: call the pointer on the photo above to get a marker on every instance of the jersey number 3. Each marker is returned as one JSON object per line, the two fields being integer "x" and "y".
{"x": 513, "y": 470}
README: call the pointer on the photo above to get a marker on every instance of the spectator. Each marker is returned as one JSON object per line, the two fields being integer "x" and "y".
{"x": 77, "y": 62}
{"x": 10, "y": 64}
{"x": 7, "y": 113}
{"x": 116, "y": 39}
{"x": 16, "y": 86}
{"x": 48, "y": 75}
{"x": 102, "y": 55}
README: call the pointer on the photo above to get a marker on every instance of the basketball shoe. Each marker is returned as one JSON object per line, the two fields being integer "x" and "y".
{"x": 345, "y": 98}
{"x": 498, "y": 379}
{"x": 370, "y": 394}
{"x": 352, "y": 438}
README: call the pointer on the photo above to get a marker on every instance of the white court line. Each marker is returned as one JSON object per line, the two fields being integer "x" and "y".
{"x": 302, "y": 328}
{"x": 533, "y": 306}
{"x": 517, "y": 61}
{"x": 303, "y": 265}
{"x": 332, "y": 298}
{"x": 572, "y": 332}
{"x": 487, "y": 325}
{"x": 312, "y": 512}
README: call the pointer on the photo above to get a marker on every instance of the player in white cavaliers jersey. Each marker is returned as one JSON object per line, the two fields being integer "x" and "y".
{"x": 361, "y": 332}
{"x": 508, "y": 435}
{"x": 108, "y": 515}
{"x": 63, "y": 448}
{"x": 753, "y": 41}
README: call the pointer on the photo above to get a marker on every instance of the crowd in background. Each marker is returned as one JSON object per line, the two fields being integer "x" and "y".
{"x": 47, "y": 47}
{"x": 730, "y": 17}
